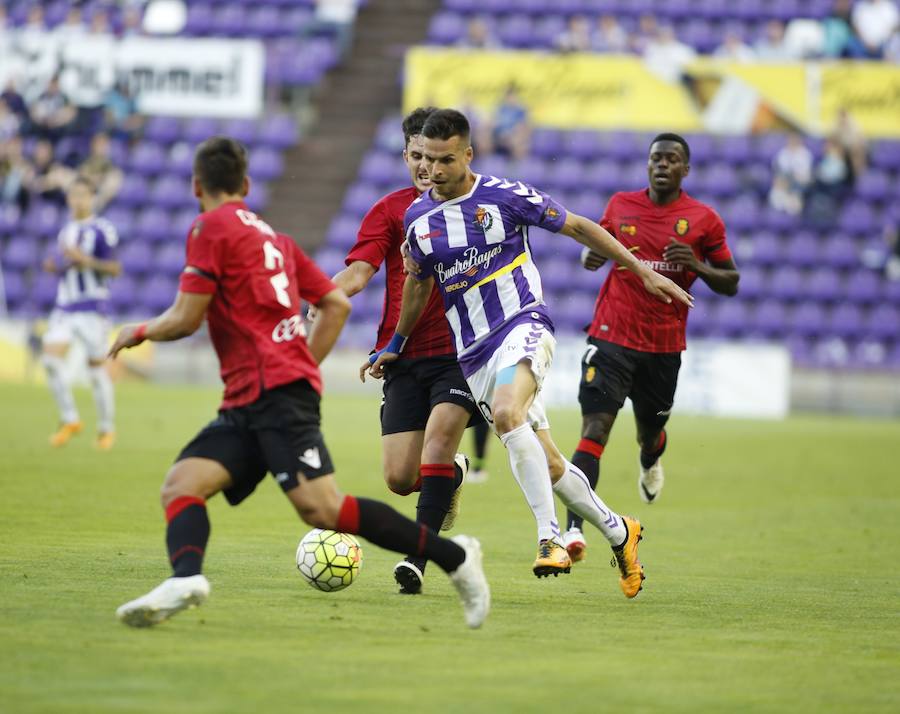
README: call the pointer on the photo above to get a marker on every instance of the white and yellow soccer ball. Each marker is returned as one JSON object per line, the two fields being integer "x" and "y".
{"x": 329, "y": 560}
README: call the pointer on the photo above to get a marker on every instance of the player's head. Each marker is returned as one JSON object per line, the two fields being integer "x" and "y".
{"x": 448, "y": 150}
{"x": 669, "y": 162}
{"x": 220, "y": 169}
{"x": 413, "y": 146}
{"x": 80, "y": 197}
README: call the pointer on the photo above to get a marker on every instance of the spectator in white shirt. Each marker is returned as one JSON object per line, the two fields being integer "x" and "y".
{"x": 576, "y": 37}
{"x": 771, "y": 46}
{"x": 666, "y": 56}
{"x": 874, "y": 21}
{"x": 610, "y": 36}
{"x": 792, "y": 174}
{"x": 734, "y": 49}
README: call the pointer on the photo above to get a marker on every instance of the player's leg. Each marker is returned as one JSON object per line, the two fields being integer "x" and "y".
{"x": 607, "y": 373}
{"x": 653, "y": 396}
{"x": 404, "y": 414}
{"x": 92, "y": 330}
{"x": 441, "y": 478}
{"x": 55, "y": 348}
{"x": 222, "y": 457}
{"x": 480, "y": 433}
{"x": 321, "y": 505}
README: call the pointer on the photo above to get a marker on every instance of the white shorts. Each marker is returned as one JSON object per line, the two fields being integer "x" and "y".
{"x": 530, "y": 341}
{"x": 91, "y": 329}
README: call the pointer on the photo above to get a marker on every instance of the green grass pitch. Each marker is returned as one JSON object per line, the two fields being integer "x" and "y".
{"x": 772, "y": 560}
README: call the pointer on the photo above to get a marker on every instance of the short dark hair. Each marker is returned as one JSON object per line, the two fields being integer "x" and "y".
{"x": 446, "y": 123}
{"x": 220, "y": 165}
{"x": 414, "y": 121}
{"x": 677, "y": 138}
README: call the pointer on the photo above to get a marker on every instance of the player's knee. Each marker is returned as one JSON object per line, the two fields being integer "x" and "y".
{"x": 402, "y": 481}
{"x": 595, "y": 429}
{"x": 318, "y": 513}
{"x": 177, "y": 483}
{"x": 439, "y": 449}
{"x": 507, "y": 417}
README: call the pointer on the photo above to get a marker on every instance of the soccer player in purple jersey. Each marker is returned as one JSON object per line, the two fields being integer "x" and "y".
{"x": 469, "y": 235}
{"x": 84, "y": 259}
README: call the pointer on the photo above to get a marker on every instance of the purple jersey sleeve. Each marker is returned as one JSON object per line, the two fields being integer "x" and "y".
{"x": 531, "y": 207}
{"x": 106, "y": 241}
{"x": 426, "y": 262}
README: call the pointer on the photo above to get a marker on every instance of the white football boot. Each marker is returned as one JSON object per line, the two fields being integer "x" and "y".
{"x": 650, "y": 481}
{"x": 575, "y": 544}
{"x": 462, "y": 461}
{"x": 470, "y": 583}
{"x": 167, "y": 599}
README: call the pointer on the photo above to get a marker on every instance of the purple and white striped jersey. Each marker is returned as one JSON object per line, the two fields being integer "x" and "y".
{"x": 476, "y": 248}
{"x": 81, "y": 289}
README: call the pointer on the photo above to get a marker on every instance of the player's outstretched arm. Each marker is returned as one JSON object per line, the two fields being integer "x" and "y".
{"x": 600, "y": 241}
{"x": 331, "y": 314}
{"x": 415, "y": 297}
{"x": 352, "y": 280}
{"x": 183, "y": 318}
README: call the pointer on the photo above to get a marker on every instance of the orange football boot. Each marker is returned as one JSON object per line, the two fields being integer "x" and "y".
{"x": 552, "y": 559}
{"x": 65, "y": 433}
{"x": 626, "y": 557}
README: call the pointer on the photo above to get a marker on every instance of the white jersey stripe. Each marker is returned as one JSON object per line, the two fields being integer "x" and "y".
{"x": 530, "y": 271}
{"x": 496, "y": 233}
{"x": 456, "y": 227}
{"x": 475, "y": 310}
{"x": 455, "y": 327}
{"x": 422, "y": 232}
{"x": 508, "y": 294}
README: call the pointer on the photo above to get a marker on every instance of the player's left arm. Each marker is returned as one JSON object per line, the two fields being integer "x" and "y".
{"x": 714, "y": 264}
{"x": 103, "y": 261}
{"x": 600, "y": 241}
{"x": 183, "y": 318}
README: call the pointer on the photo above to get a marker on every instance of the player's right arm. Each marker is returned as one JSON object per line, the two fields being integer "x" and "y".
{"x": 354, "y": 277}
{"x": 415, "y": 297}
{"x": 183, "y": 318}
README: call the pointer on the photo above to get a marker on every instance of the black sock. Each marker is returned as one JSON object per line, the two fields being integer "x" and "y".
{"x": 186, "y": 535}
{"x": 481, "y": 432}
{"x": 587, "y": 458}
{"x": 382, "y": 525}
{"x": 439, "y": 481}
{"x": 648, "y": 458}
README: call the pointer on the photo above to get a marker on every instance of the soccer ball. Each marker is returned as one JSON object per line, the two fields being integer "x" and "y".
{"x": 328, "y": 560}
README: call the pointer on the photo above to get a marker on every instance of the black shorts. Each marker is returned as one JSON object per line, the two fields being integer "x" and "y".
{"x": 413, "y": 387}
{"x": 610, "y": 373}
{"x": 279, "y": 433}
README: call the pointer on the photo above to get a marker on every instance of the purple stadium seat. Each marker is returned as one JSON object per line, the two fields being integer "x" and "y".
{"x": 545, "y": 30}
{"x": 266, "y": 164}
{"x": 229, "y": 20}
{"x": 162, "y": 130}
{"x": 803, "y": 250}
{"x": 43, "y": 290}
{"x": 9, "y": 218}
{"x": 21, "y": 253}
{"x": 840, "y": 252}
{"x": 885, "y": 154}
{"x": 822, "y": 284}
{"x": 873, "y": 185}
{"x": 565, "y": 174}
{"x": 845, "y": 321}
{"x": 258, "y": 198}
{"x": 14, "y": 290}
{"x": 199, "y": 129}
{"x": 243, "y": 130}
{"x": 547, "y": 143}
{"x": 730, "y": 318}
{"x": 378, "y": 168}
{"x": 869, "y": 354}
{"x": 171, "y": 192}
{"x": 721, "y": 180}
{"x": 808, "y": 319}
{"x": 766, "y": 249}
{"x": 583, "y": 145}
{"x": 181, "y": 160}
{"x": 751, "y": 285}
{"x": 147, "y": 158}
{"x": 169, "y": 260}
{"x": 154, "y": 225}
{"x": 199, "y": 19}
{"x": 359, "y": 199}
{"x": 858, "y": 218}
{"x": 330, "y": 261}
{"x": 134, "y": 191}
{"x": 264, "y": 21}
{"x": 279, "y": 131}
{"x": 136, "y": 257}
{"x": 556, "y": 274}
{"x": 882, "y": 322}
{"x": 863, "y": 287}
{"x": 531, "y": 170}
{"x": 769, "y": 319}
{"x": 516, "y": 31}
{"x": 342, "y": 233}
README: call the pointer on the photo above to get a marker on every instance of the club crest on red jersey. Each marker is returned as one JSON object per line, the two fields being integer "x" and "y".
{"x": 590, "y": 373}
{"x": 483, "y": 219}
{"x": 197, "y": 228}
{"x": 682, "y": 226}
{"x": 628, "y": 228}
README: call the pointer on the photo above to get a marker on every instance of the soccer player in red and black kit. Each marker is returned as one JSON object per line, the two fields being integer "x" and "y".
{"x": 249, "y": 281}
{"x": 634, "y": 342}
{"x": 427, "y": 403}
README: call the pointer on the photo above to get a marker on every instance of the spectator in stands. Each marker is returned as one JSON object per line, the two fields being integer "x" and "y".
{"x": 15, "y": 174}
{"x": 122, "y": 118}
{"x": 10, "y": 124}
{"x": 771, "y": 46}
{"x": 338, "y": 16}
{"x": 576, "y": 37}
{"x": 99, "y": 169}
{"x": 72, "y": 27}
{"x": 734, "y": 49}
{"x": 50, "y": 178}
{"x": 511, "y": 130}
{"x": 15, "y": 101}
{"x": 792, "y": 174}
{"x": 52, "y": 115}
{"x": 610, "y": 36}
{"x": 666, "y": 57}
{"x": 32, "y": 36}
{"x": 831, "y": 180}
{"x": 478, "y": 36}
{"x": 837, "y": 30}
{"x": 132, "y": 21}
{"x": 849, "y": 135}
{"x": 874, "y": 22}
{"x": 892, "y": 265}
{"x": 646, "y": 33}
{"x": 100, "y": 24}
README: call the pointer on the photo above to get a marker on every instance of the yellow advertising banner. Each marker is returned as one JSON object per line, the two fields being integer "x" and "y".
{"x": 565, "y": 91}
{"x": 869, "y": 91}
